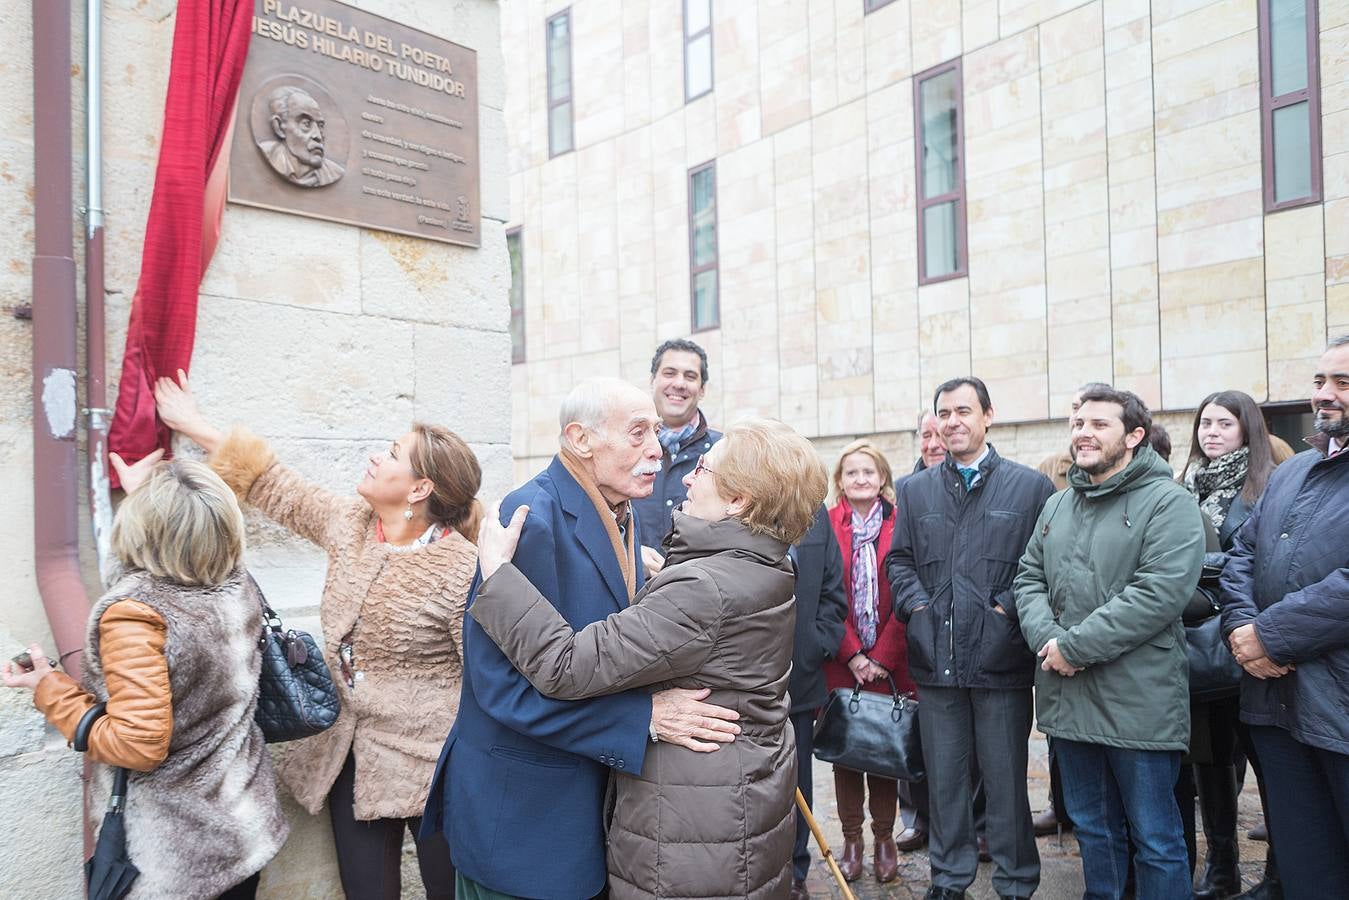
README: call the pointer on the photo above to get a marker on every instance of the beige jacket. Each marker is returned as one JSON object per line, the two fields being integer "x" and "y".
{"x": 720, "y": 615}
{"x": 402, "y": 612}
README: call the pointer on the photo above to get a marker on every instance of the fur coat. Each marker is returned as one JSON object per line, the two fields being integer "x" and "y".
{"x": 403, "y": 614}
{"x": 207, "y": 817}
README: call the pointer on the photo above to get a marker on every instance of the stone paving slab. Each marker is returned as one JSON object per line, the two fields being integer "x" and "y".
{"x": 1060, "y": 864}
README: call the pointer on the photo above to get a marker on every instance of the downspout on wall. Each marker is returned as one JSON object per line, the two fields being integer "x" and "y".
{"x": 95, "y": 322}
{"x": 55, "y": 406}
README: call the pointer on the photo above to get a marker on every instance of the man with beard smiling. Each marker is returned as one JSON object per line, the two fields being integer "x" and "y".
{"x": 1286, "y": 614}
{"x": 1112, "y": 564}
{"x": 678, "y": 384}
{"x": 960, "y": 528}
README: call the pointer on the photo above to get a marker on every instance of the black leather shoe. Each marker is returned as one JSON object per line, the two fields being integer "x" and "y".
{"x": 910, "y": 839}
{"x": 940, "y": 893}
{"x": 1269, "y": 889}
{"x": 799, "y": 891}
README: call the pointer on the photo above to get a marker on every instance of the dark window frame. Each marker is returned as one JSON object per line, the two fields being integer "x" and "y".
{"x": 870, "y": 6}
{"x": 1311, "y": 94}
{"x": 571, "y": 83}
{"x": 517, "y": 314}
{"x": 714, "y": 266}
{"x": 711, "y": 51}
{"x": 958, "y": 195}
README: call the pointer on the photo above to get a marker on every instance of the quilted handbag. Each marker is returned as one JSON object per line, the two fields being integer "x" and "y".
{"x": 870, "y": 732}
{"x": 296, "y": 694}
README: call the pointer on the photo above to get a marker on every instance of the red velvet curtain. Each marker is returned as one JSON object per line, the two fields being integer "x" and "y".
{"x": 210, "y": 43}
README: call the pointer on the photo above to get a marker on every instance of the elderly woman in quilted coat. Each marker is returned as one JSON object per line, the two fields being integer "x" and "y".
{"x": 392, "y": 611}
{"x": 719, "y": 615}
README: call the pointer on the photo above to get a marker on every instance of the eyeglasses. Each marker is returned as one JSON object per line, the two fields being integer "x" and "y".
{"x": 702, "y": 467}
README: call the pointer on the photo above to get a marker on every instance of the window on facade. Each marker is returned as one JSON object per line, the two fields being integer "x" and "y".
{"x": 697, "y": 48}
{"x": 1290, "y": 103}
{"x": 873, "y": 5}
{"x": 941, "y": 173}
{"x": 558, "y": 30}
{"x": 706, "y": 312}
{"x": 517, "y": 254}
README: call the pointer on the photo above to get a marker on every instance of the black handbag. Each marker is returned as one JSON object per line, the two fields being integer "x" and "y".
{"x": 870, "y": 732}
{"x": 1214, "y": 672}
{"x": 109, "y": 872}
{"x": 296, "y": 694}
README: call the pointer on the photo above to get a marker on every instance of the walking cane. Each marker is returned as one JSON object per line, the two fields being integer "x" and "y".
{"x": 824, "y": 848}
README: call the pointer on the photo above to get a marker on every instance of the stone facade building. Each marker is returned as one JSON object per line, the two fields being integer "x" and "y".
{"x": 1098, "y": 182}
{"x": 328, "y": 339}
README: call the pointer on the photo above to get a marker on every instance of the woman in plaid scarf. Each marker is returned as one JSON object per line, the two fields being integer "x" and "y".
{"x": 874, "y": 644}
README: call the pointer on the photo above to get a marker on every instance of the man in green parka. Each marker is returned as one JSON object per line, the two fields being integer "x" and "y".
{"x": 1112, "y": 563}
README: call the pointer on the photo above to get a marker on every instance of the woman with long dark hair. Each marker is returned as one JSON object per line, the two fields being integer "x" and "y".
{"x": 1230, "y": 462}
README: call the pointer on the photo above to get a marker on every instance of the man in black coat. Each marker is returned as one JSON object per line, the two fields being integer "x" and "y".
{"x": 1285, "y": 596}
{"x": 821, "y": 608}
{"x": 960, "y": 530}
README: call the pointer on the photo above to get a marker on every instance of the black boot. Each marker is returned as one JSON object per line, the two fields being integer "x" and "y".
{"x": 1269, "y": 888}
{"x": 1218, "y": 805}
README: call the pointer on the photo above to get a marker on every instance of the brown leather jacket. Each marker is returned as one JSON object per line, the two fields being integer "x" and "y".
{"x": 135, "y": 732}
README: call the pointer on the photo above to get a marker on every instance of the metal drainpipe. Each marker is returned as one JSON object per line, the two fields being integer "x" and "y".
{"x": 95, "y": 328}
{"x": 55, "y": 407}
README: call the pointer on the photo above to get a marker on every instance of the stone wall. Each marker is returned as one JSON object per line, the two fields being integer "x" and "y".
{"x": 327, "y": 339}
{"x": 1116, "y": 229}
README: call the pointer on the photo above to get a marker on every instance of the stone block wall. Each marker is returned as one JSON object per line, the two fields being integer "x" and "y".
{"x": 1116, "y": 228}
{"x": 327, "y": 339}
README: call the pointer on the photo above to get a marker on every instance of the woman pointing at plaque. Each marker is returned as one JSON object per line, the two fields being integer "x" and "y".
{"x": 399, "y": 568}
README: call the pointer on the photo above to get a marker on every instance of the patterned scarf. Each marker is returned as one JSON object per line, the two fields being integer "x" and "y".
{"x": 671, "y": 439}
{"x": 1216, "y": 483}
{"x": 865, "y": 532}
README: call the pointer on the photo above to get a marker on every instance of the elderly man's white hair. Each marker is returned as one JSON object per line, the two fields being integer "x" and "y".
{"x": 590, "y": 403}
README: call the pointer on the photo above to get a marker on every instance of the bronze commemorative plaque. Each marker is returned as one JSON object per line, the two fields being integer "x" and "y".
{"x": 351, "y": 117}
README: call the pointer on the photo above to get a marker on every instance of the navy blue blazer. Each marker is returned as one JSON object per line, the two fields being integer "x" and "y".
{"x": 519, "y": 788}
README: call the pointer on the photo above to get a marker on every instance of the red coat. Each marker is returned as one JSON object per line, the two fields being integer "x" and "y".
{"x": 891, "y": 649}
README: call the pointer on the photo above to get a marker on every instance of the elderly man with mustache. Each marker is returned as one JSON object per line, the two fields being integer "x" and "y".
{"x": 1286, "y": 615}
{"x": 519, "y": 789}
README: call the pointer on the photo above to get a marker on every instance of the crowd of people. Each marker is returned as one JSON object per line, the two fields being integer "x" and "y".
{"x": 608, "y": 685}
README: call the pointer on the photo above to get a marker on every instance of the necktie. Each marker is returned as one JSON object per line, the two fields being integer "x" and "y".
{"x": 968, "y": 473}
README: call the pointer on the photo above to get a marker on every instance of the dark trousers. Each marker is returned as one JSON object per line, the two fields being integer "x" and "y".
{"x": 804, "y": 725}
{"x": 1116, "y": 796}
{"x": 961, "y": 727}
{"x": 1308, "y": 792}
{"x": 370, "y": 853}
{"x": 244, "y": 890}
{"x": 1056, "y": 790}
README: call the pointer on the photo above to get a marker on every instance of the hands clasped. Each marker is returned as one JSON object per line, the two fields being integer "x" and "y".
{"x": 1250, "y": 654}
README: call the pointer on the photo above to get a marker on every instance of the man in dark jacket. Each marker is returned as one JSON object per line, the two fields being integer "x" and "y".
{"x": 1286, "y": 613}
{"x": 821, "y": 608}
{"x": 678, "y": 384}
{"x": 1110, "y": 568}
{"x": 959, "y": 530}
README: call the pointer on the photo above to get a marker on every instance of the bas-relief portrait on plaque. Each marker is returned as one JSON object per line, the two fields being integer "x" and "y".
{"x": 351, "y": 117}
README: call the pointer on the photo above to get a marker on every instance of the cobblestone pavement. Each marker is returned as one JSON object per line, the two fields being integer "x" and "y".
{"x": 1061, "y": 870}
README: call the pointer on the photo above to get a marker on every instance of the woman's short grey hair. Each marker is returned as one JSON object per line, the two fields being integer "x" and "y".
{"x": 591, "y": 401}
{"x": 182, "y": 524}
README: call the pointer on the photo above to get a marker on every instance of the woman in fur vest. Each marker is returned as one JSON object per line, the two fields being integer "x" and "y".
{"x": 400, "y": 561}
{"x": 172, "y": 649}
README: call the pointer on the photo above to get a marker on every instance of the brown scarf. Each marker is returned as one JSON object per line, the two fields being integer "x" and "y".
{"x": 627, "y": 556}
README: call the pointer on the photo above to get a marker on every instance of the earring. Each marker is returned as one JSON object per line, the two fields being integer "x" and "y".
{"x": 407, "y": 513}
